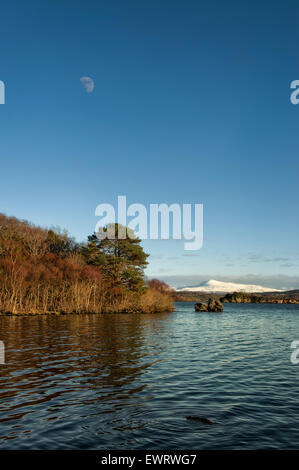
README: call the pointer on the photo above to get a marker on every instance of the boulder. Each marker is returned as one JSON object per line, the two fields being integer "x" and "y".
{"x": 201, "y": 419}
{"x": 212, "y": 306}
{"x": 201, "y": 307}
{"x": 215, "y": 306}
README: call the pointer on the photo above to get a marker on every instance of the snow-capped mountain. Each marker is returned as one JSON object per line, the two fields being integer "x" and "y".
{"x": 225, "y": 287}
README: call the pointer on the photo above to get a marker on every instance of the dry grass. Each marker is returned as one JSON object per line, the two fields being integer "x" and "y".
{"x": 80, "y": 297}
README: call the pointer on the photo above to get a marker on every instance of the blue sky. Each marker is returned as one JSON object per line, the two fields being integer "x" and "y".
{"x": 191, "y": 105}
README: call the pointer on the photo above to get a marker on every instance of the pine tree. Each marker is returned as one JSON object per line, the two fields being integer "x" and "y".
{"x": 122, "y": 261}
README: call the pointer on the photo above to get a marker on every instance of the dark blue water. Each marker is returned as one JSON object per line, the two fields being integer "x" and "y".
{"x": 129, "y": 381}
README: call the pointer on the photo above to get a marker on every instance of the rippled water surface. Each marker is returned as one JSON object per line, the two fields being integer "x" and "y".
{"x": 129, "y": 381}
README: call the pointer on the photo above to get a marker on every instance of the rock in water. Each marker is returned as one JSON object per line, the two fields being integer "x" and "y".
{"x": 201, "y": 419}
{"x": 215, "y": 306}
{"x": 201, "y": 307}
{"x": 212, "y": 306}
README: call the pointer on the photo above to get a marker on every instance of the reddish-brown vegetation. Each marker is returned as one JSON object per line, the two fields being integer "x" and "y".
{"x": 44, "y": 271}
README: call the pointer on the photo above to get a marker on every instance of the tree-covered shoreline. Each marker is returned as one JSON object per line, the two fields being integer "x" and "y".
{"x": 45, "y": 271}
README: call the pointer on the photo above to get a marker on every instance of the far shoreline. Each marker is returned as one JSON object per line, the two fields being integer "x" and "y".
{"x": 288, "y": 297}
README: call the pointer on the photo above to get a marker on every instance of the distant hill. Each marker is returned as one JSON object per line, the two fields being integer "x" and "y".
{"x": 220, "y": 287}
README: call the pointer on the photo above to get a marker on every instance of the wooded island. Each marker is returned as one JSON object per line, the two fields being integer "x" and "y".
{"x": 47, "y": 271}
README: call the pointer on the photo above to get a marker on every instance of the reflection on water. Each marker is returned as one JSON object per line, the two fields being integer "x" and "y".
{"x": 129, "y": 381}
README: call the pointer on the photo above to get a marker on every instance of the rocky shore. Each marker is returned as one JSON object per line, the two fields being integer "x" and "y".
{"x": 240, "y": 297}
{"x": 290, "y": 297}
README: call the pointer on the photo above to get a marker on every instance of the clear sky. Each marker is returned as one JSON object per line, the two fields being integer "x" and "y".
{"x": 191, "y": 105}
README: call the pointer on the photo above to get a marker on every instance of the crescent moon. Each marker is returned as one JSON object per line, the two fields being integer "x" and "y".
{"x": 88, "y": 84}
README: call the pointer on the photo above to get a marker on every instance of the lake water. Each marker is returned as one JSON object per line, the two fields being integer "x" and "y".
{"x": 129, "y": 381}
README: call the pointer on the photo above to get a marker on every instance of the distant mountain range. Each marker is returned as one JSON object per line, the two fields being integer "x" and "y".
{"x": 225, "y": 287}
